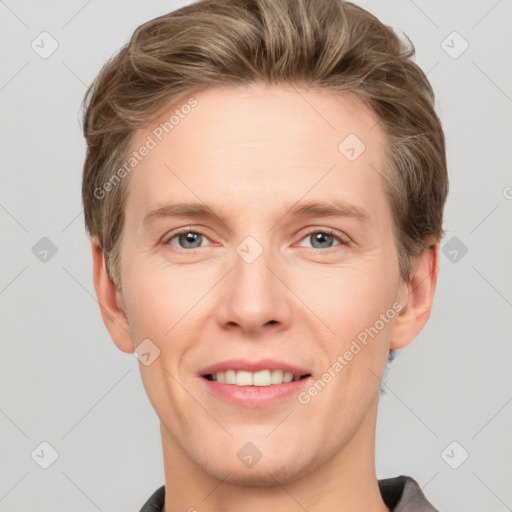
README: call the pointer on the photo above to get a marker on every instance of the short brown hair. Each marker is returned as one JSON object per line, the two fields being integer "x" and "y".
{"x": 327, "y": 45}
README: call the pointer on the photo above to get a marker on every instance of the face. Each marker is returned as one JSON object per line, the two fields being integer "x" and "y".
{"x": 289, "y": 261}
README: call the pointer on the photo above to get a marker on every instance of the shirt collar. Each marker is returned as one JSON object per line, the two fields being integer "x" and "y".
{"x": 400, "y": 494}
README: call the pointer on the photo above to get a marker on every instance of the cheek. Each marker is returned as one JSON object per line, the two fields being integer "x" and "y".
{"x": 346, "y": 300}
{"x": 164, "y": 302}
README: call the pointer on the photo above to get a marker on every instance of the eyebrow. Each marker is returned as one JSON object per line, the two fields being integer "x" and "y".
{"x": 332, "y": 208}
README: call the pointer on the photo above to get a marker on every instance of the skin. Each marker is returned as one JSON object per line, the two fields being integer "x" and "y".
{"x": 251, "y": 153}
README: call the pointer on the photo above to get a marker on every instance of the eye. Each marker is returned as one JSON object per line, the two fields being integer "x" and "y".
{"x": 190, "y": 239}
{"x": 187, "y": 239}
{"x": 323, "y": 239}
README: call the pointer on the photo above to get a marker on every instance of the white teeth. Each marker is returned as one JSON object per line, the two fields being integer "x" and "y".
{"x": 229, "y": 377}
{"x": 260, "y": 378}
{"x": 277, "y": 376}
{"x": 243, "y": 378}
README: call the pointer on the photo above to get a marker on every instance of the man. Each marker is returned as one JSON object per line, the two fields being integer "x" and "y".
{"x": 264, "y": 188}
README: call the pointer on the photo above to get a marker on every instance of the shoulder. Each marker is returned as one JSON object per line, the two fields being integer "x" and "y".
{"x": 155, "y": 502}
{"x": 403, "y": 494}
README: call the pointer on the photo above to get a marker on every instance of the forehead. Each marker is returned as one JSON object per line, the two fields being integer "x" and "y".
{"x": 257, "y": 142}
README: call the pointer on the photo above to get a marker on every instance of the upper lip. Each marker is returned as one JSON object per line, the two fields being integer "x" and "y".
{"x": 253, "y": 366}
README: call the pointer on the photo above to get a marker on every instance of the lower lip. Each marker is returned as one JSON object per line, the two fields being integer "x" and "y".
{"x": 256, "y": 396}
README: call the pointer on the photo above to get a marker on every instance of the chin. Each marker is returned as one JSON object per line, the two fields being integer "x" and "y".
{"x": 264, "y": 473}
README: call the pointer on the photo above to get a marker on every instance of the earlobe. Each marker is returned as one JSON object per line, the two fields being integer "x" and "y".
{"x": 110, "y": 300}
{"x": 417, "y": 298}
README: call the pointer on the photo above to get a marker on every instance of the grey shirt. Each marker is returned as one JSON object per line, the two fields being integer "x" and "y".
{"x": 400, "y": 494}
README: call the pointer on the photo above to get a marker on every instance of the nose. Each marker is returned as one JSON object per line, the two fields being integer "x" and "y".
{"x": 254, "y": 297}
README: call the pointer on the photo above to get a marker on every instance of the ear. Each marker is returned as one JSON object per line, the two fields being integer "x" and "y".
{"x": 110, "y": 301}
{"x": 416, "y": 297}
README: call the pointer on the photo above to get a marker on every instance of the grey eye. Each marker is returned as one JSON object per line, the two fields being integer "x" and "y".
{"x": 188, "y": 240}
{"x": 321, "y": 239}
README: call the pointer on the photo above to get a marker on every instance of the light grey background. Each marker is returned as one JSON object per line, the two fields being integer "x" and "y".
{"x": 63, "y": 381}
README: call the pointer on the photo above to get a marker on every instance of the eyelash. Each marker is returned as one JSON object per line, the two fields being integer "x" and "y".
{"x": 327, "y": 231}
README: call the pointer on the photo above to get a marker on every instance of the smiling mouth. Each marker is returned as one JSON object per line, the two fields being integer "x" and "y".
{"x": 257, "y": 379}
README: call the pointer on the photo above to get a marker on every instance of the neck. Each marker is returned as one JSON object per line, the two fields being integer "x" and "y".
{"x": 346, "y": 482}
